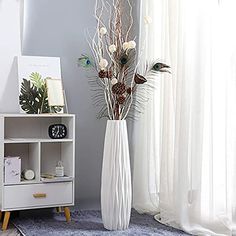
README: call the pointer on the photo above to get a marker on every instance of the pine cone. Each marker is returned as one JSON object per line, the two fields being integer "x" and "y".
{"x": 129, "y": 90}
{"x": 102, "y": 74}
{"x": 121, "y": 99}
{"x": 109, "y": 74}
{"x": 139, "y": 79}
{"x": 118, "y": 88}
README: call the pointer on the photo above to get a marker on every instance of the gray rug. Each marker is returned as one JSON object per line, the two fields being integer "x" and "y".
{"x": 89, "y": 223}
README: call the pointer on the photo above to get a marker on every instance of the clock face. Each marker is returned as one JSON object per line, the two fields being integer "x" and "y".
{"x": 57, "y": 131}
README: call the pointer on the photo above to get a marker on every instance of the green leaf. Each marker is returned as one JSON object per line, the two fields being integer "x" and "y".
{"x": 37, "y": 80}
{"x": 29, "y": 101}
{"x": 34, "y": 100}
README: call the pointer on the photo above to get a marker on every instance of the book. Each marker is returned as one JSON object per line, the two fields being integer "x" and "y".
{"x": 12, "y": 170}
{"x": 48, "y": 178}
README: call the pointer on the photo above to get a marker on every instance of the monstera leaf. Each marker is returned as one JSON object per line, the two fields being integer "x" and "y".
{"x": 29, "y": 99}
{"x": 43, "y": 98}
{"x": 33, "y": 96}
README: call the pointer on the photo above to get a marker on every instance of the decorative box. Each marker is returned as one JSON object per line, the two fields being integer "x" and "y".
{"x": 12, "y": 170}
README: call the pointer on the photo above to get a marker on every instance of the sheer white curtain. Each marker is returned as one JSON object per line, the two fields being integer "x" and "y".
{"x": 185, "y": 143}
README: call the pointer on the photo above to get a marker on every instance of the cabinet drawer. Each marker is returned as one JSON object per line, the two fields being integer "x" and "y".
{"x": 37, "y": 195}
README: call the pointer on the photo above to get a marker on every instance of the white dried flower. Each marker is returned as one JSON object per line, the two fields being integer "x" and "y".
{"x": 112, "y": 48}
{"x": 147, "y": 20}
{"x": 125, "y": 45}
{"x": 114, "y": 81}
{"x": 131, "y": 44}
{"x": 103, "y": 63}
{"x": 103, "y": 30}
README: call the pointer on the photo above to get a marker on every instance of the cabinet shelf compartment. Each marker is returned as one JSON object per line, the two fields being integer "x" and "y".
{"x": 33, "y": 127}
{"x": 52, "y": 153}
{"x": 30, "y": 157}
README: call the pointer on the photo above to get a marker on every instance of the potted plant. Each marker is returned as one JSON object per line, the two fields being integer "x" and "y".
{"x": 119, "y": 91}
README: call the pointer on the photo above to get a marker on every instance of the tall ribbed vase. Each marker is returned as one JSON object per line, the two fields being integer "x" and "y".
{"x": 116, "y": 177}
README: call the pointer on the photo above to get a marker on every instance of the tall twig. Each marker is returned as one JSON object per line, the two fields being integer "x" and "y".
{"x": 115, "y": 62}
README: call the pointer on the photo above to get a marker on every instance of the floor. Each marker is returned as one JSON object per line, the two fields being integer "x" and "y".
{"x": 85, "y": 205}
{"x": 89, "y": 223}
{"x": 10, "y": 232}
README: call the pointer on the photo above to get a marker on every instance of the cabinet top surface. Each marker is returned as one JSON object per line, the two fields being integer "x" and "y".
{"x": 35, "y": 115}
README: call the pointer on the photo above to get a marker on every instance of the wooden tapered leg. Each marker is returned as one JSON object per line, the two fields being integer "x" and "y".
{"x": 1, "y": 214}
{"x": 6, "y": 220}
{"x": 67, "y": 214}
{"x": 58, "y": 209}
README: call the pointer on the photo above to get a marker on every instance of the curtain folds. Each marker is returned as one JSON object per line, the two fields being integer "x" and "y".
{"x": 185, "y": 143}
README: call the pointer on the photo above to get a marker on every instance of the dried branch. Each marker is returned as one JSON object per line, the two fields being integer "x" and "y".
{"x": 118, "y": 89}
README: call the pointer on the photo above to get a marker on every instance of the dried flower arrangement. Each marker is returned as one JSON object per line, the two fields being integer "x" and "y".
{"x": 117, "y": 83}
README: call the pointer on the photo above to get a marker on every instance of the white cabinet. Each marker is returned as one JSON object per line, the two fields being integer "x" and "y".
{"x": 26, "y": 136}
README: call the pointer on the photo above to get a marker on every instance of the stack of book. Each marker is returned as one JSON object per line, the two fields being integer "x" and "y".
{"x": 49, "y": 178}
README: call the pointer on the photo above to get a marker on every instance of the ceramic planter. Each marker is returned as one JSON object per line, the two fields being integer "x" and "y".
{"x": 116, "y": 177}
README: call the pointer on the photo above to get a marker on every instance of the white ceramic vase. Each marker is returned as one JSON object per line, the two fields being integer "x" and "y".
{"x": 116, "y": 177}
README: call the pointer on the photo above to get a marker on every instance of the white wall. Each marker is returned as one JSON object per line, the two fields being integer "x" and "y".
{"x": 57, "y": 28}
{"x": 10, "y": 46}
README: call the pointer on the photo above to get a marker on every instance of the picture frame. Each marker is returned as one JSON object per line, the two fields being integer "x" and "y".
{"x": 55, "y": 92}
{"x": 33, "y": 72}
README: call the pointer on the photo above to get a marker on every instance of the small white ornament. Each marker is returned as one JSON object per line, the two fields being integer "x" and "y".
{"x": 132, "y": 44}
{"x": 125, "y": 45}
{"x": 112, "y": 48}
{"x": 28, "y": 174}
{"x": 103, "y": 63}
{"x": 147, "y": 20}
{"x": 114, "y": 81}
{"x": 59, "y": 169}
{"x": 103, "y": 31}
